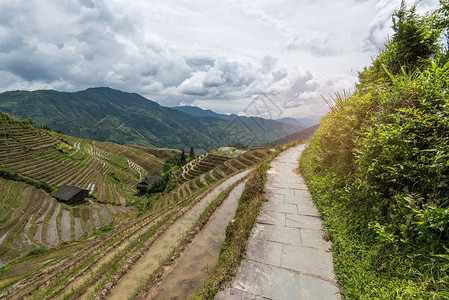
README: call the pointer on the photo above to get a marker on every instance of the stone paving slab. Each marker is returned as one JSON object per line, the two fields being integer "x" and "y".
{"x": 287, "y": 256}
{"x": 236, "y": 294}
{"x": 308, "y": 261}
{"x": 302, "y": 221}
{"x": 267, "y": 281}
{"x": 271, "y": 253}
{"x": 281, "y": 207}
{"x": 314, "y": 239}
{"x": 271, "y": 217}
{"x": 279, "y": 234}
{"x": 279, "y": 191}
{"x": 313, "y": 288}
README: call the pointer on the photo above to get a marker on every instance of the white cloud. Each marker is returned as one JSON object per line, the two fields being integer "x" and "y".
{"x": 217, "y": 54}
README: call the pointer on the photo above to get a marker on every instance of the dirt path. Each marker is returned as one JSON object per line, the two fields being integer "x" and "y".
{"x": 164, "y": 246}
{"x": 286, "y": 248}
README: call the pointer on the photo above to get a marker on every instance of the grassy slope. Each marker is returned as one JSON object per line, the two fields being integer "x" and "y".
{"x": 378, "y": 170}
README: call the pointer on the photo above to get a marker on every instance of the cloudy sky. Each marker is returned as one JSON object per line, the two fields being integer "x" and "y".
{"x": 228, "y": 56}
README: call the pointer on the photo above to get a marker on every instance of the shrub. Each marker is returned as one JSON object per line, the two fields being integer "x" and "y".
{"x": 12, "y": 175}
{"x": 378, "y": 169}
{"x": 37, "y": 250}
{"x": 104, "y": 228}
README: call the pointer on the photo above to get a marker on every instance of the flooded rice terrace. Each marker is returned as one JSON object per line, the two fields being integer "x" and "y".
{"x": 163, "y": 247}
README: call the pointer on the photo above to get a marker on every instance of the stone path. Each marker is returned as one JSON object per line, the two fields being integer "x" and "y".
{"x": 287, "y": 256}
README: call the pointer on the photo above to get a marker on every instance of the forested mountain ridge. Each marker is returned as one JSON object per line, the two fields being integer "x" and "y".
{"x": 104, "y": 114}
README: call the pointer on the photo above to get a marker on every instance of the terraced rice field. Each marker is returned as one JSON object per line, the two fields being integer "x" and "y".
{"x": 96, "y": 268}
{"x": 101, "y": 263}
{"x": 110, "y": 171}
{"x": 30, "y": 217}
{"x": 205, "y": 163}
{"x": 208, "y": 169}
{"x": 83, "y": 262}
{"x": 200, "y": 165}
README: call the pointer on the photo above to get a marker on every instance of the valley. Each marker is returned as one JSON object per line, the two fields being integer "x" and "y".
{"x": 50, "y": 249}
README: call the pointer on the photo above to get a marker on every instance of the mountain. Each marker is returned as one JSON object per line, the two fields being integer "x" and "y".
{"x": 300, "y": 135}
{"x": 104, "y": 114}
{"x": 299, "y": 123}
{"x": 199, "y": 112}
{"x": 291, "y": 121}
{"x": 304, "y": 122}
{"x": 309, "y": 121}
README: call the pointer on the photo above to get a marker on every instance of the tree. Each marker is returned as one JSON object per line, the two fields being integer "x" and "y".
{"x": 413, "y": 42}
{"x": 441, "y": 20}
{"x": 183, "y": 157}
{"x": 192, "y": 153}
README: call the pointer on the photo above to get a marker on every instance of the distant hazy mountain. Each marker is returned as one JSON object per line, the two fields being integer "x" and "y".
{"x": 105, "y": 114}
{"x": 310, "y": 121}
{"x": 291, "y": 121}
{"x": 304, "y": 122}
{"x": 301, "y": 123}
{"x": 304, "y": 134}
{"x": 199, "y": 112}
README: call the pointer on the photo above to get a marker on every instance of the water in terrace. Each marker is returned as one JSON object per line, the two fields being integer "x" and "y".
{"x": 163, "y": 247}
{"x": 80, "y": 280}
{"x": 202, "y": 255}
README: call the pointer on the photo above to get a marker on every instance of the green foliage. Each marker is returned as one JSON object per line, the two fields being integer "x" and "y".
{"x": 37, "y": 250}
{"x": 173, "y": 163}
{"x": 104, "y": 228}
{"x": 378, "y": 169}
{"x": 26, "y": 122}
{"x": 159, "y": 185}
{"x": 192, "y": 153}
{"x": 183, "y": 157}
{"x": 166, "y": 182}
{"x": 11, "y": 175}
{"x": 112, "y": 177}
{"x": 414, "y": 41}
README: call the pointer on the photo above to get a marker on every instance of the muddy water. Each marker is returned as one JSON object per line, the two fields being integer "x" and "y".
{"x": 163, "y": 247}
{"x": 202, "y": 255}
{"x": 80, "y": 280}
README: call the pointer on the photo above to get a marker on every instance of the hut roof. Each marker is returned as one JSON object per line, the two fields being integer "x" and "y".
{"x": 67, "y": 192}
{"x": 148, "y": 180}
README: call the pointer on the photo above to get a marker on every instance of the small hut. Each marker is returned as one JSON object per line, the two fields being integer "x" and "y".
{"x": 142, "y": 186}
{"x": 71, "y": 195}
